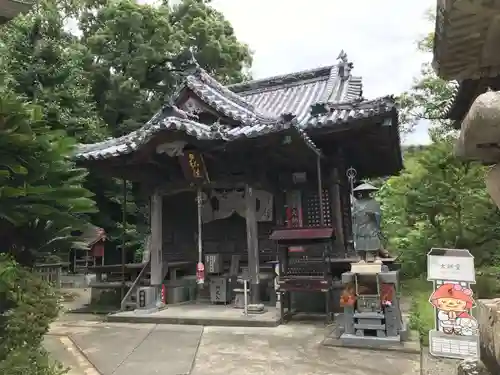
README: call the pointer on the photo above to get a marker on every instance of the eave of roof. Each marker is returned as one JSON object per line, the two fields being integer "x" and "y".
{"x": 466, "y": 39}
{"x": 334, "y": 115}
{"x": 133, "y": 141}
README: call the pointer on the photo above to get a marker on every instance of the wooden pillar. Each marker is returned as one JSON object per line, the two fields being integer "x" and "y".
{"x": 337, "y": 208}
{"x": 156, "y": 256}
{"x": 252, "y": 244}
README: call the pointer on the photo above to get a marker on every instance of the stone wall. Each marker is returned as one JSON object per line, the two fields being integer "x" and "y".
{"x": 488, "y": 316}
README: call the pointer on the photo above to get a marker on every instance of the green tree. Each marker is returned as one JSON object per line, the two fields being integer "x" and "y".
{"x": 42, "y": 200}
{"x": 45, "y": 64}
{"x": 439, "y": 201}
{"x": 137, "y": 54}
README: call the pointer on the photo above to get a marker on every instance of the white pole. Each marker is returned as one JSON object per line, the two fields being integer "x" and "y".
{"x": 245, "y": 296}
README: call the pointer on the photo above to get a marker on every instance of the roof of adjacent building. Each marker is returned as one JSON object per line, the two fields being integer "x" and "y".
{"x": 302, "y": 102}
{"x": 465, "y": 50}
{"x": 466, "y": 39}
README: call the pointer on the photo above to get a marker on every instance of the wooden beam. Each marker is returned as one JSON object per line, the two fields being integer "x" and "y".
{"x": 337, "y": 207}
{"x": 252, "y": 244}
{"x": 157, "y": 271}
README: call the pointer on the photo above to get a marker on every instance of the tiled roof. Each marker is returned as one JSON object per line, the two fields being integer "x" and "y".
{"x": 295, "y": 93}
{"x": 262, "y": 107}
{"x": 341, "y": 113}
{"x": 335, "y": 114}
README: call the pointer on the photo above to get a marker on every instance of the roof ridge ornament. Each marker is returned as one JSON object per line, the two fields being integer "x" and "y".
{"x": 192, "y": 59}
{"x": 320, "y": 108}
{"x": 287, "y": 117}
{"x": 342, "y": 56}
{"x": 344, "y": 65}
{"x": 218, "y": 129}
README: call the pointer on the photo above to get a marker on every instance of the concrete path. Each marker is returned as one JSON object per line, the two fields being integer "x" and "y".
{"x": 147, "y": 349}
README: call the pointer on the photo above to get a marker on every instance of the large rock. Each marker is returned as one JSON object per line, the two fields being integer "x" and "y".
{"x": 472, "y": 367}
{"x": 489, "y": 330}
{"x": 480, "y": 131}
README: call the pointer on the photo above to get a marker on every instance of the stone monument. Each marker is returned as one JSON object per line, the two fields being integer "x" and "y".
{"x": 370, "y": 299}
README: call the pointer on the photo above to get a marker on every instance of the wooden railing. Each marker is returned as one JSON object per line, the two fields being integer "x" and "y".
{"x": 134, "y": 285}
{"x": 51, "y": 273}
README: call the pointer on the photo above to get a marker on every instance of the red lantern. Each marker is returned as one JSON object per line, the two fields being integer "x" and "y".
{"x": 200, "y": 273}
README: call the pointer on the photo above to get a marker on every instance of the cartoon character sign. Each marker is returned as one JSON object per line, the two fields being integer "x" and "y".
{"x": 453, "y": 303}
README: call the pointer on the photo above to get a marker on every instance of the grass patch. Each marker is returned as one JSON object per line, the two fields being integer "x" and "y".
{"x": 422, "y": 318}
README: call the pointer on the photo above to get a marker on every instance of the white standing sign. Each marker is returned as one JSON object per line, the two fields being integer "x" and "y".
{"x": 456, "y": 332}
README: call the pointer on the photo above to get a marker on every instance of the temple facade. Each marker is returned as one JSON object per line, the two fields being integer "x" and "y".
{"x": 224, "y": 166}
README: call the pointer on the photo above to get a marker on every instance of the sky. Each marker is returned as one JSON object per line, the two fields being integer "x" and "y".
{"x": 379, "y": 37}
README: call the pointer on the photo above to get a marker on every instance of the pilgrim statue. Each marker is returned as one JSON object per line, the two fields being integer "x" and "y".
{"x": 366, "y": 220}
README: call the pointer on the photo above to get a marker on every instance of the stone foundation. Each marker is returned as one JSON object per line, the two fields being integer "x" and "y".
{"x": 488, "y": 317}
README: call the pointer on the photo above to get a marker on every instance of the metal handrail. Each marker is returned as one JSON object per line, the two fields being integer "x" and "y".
{"x": 134, "y": 284}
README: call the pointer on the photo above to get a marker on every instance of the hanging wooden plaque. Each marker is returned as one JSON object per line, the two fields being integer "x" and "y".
{"x": 193, "y": 167}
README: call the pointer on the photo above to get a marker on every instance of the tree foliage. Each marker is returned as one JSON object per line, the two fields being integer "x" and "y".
{"x": 27, "y": 306}
{"x": 42, "y": 202}
{"x": 136, "y": 54}
{"x": 439, "y": 201}
{"x": 41, "y": 195}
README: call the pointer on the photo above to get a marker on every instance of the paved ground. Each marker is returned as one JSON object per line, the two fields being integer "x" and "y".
{"x": 90, "y": 347}
{"x": 147, "y": 349}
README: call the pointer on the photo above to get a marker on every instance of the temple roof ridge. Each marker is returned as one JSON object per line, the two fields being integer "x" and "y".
{"x": 297, "y": 78}
{"x": 203, "y": 75}
{"x": 281, "y": 79}
{"x": 386, "y": 99}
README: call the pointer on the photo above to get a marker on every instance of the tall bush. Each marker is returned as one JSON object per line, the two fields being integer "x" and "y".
{"x": 27, "y": 307}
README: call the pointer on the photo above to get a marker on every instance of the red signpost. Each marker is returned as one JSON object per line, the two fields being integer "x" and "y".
{"x": 200, "y": 273}
{"x": 163, "y": 294}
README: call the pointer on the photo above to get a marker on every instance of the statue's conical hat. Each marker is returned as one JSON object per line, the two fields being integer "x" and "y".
{"x": 365, "y": 187}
